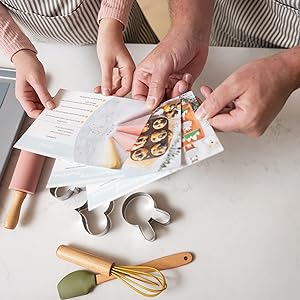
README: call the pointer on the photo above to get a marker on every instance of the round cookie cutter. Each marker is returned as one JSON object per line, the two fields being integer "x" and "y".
{"x": 140, "y": 210}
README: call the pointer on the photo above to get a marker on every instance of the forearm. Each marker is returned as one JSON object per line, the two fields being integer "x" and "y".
{"x": 193, "y": 15}
{"x": 12, "y": 39}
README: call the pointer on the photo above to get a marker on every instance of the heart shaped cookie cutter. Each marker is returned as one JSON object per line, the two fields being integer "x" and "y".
{"x": 140, "y": 210}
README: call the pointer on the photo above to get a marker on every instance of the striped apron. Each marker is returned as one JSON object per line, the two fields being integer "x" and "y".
{"x": 256, "y": 23}
{"x": 73, "y": 21}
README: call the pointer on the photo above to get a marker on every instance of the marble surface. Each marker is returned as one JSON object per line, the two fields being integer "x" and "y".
{"x": 238, "y": 212}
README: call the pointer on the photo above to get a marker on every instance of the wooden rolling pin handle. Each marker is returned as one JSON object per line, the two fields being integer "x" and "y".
{"x": 85, "y": 260}
{"x": 13, "y": 214}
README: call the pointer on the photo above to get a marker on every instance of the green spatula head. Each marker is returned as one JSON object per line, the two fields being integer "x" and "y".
{"x": 76, "y": 284}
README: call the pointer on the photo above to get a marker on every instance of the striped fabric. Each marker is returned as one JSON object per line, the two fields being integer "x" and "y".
{"x": 256, "y": 23}
{"x": 73, "y": 21}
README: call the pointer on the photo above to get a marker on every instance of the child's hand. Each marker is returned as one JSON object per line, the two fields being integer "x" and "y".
{"x": 116, "y": 63}
{"x": 31, "y": 88}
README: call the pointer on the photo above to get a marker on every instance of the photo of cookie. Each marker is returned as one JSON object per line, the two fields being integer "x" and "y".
{"x": 172, "y": 114}
{"x": 160, "y": 123}
{"x": 169, "y": 107}
{"x": 159, "y": 149}
{"x": 157, "y": 136}
{"x": 146, "y": 128}
{"x": 141, "y": 141}
{"x": 139, "y": 154}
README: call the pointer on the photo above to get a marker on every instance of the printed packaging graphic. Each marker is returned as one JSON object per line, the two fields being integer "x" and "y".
{"x": 159, "y": 145}
{"x": 81, "y": 128}
{"x": 198, "y": 141}
{"x": 114, "y": 145}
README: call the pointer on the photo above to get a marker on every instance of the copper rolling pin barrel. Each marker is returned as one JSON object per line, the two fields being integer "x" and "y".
{"x": 24, "y": 181}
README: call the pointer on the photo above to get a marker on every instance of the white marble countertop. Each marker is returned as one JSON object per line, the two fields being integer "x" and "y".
{"x": 238, "y": 212}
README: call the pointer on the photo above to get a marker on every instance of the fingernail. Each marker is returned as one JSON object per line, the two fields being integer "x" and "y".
{"x": 201, "y": 113}
{"x": 106, "y": 92}
{"x": 50, "y": 104}
{"x": 182, "y": 88}
{"x": 150, "y": 102}
{"x": 188, "y": 77}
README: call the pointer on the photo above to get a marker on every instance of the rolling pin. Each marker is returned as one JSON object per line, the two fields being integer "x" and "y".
{"x": 24, "y": 181}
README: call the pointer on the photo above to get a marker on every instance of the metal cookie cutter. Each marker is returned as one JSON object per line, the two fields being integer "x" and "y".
{"x": 106, "y": 224}
{"x": 64, "y": 193}
{"x": 140, "y": 210}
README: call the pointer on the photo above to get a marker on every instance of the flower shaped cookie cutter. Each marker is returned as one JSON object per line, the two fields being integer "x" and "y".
{"x": 140, "y": 210}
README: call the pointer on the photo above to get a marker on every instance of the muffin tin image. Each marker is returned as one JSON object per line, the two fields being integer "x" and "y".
{"x": 154, "y": 140}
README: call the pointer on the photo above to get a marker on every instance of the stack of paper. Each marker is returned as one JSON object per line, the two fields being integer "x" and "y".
{"x": 115, "y": 145}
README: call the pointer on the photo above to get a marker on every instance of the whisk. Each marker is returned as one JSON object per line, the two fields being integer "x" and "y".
{"x": 145, "y": 280}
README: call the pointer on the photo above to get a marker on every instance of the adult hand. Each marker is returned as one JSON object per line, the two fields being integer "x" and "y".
{"x": 171, "y": 67}
{"x": 116, "y": 63}
{"x": 31, "y": 88}
{"x": 250, "y": 98}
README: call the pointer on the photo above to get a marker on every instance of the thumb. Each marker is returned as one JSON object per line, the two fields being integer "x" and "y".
{"x": 206, "y": 91}
{"x": 42, "y": 92}
{"x": 226, "y": 122}
{"x": 157, "y": 86}
{"x": 216, "y": 101}
{"x": 107, "y": 74}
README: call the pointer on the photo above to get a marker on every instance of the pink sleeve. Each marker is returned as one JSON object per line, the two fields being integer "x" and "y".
{"x": 12, "y": 39}
{"x": 116, "y": 9}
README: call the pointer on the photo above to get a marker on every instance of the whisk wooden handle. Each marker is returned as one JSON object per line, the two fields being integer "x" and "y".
{"x": 85, "y": 260}
{"x": 162, "y": 263}
{"x": 170, "y": 261}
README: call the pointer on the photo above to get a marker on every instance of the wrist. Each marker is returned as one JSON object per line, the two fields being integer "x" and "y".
{"x": 21, "y": 55}
{"x": 110, "y": 32}
{"x": 111, "y": 25}
{"x": 291, "y": 63}
{"x": 195, "y": 39}
{"x": 195, "y": 35}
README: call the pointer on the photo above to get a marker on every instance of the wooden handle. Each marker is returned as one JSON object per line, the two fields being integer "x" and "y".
{"x": 163, "y": 263}
{"x": 85, "y": 260}
{"x": 13, "y": 214}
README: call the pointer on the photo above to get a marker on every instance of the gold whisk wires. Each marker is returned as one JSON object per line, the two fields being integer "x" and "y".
{"x": 146, "y": 281}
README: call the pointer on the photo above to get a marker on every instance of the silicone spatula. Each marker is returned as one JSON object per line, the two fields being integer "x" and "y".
{"x": 82, "y": 282}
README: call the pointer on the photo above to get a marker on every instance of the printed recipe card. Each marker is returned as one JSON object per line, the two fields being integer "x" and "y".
{"x": 82, "y": 128}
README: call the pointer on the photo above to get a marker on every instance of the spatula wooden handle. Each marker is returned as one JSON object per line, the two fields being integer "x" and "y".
{"x": 163, "y": 263}
{"x": 13, "y": 214}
